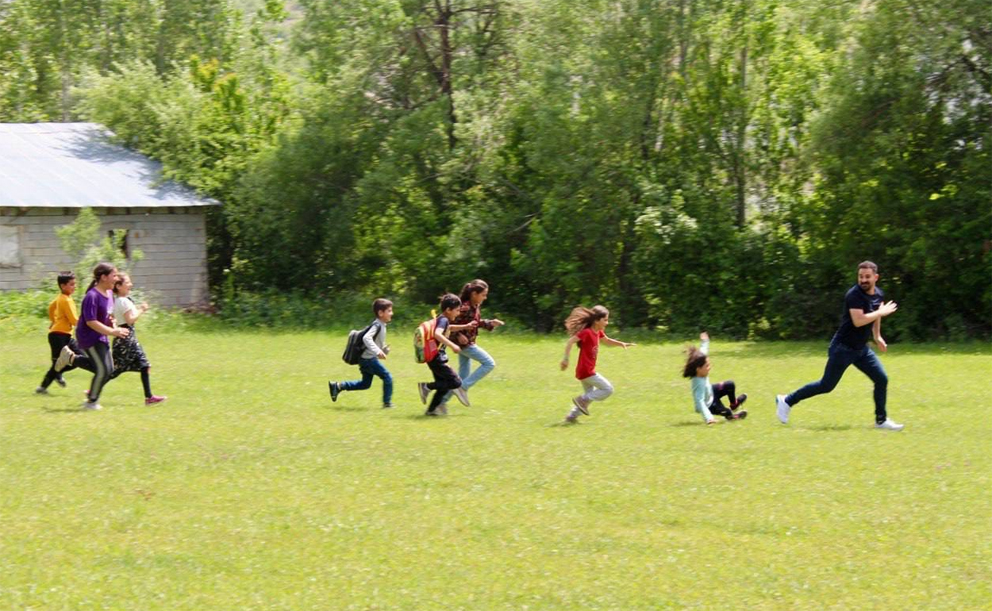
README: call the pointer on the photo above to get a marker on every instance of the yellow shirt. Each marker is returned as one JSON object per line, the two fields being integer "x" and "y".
{"x": 62, "y": 313}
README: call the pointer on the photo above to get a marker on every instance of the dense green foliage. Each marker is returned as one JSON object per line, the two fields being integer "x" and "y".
{"x": 687, "y": 163}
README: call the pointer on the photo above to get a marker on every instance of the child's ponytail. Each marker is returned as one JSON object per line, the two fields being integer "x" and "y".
{"x": 101, "y": 270}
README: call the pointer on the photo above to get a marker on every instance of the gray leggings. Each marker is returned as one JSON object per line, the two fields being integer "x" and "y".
{"x": 103, "y": 368}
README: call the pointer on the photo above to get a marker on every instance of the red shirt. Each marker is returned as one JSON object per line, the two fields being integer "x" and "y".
{"x": 588, "y": 349}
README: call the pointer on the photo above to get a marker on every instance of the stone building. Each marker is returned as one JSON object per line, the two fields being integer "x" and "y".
{"x": 49, "y": 171}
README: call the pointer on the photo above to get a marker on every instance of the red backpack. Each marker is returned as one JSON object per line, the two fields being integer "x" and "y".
{"x": 425, "y": 346}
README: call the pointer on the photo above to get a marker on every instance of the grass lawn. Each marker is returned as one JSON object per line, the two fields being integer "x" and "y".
{"x": 250, "y": 489}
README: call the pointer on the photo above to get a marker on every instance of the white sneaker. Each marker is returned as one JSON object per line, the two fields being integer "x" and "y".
{"x": 462, "y": 395}
{"x": 92, "y": 405}
{"x": 782, "y": 409}
{"x": 888, "y": 425}
{"x": 41, "y": 390}
{"x": 65, "y": 358}
{"x": 424, "y": 391}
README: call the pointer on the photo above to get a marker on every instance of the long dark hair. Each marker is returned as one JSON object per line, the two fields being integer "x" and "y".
{"x": 475, "y": 286}
{"x": 696, "y": 358}
{"x": 582, "y": 318}
{"x": 101, "y": 270}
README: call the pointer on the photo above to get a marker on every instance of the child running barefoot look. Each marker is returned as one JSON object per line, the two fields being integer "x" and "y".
{"x": 128, "y": 355}
{"x": 586, "y": 329}
{"x": 445, "y": 378}
{"x": 375, "y": 351}
{"x": 708, "y": 398}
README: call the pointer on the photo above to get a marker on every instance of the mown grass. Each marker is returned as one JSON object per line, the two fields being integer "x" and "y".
{"x": 249, "y": 489}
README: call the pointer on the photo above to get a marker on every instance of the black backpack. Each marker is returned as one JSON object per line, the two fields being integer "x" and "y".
{"x": 354, "y": 348}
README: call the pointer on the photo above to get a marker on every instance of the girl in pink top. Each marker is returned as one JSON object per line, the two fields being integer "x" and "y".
{"x": 586, "y": 327}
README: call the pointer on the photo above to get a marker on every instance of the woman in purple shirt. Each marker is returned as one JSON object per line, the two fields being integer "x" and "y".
{"x": 95, "y": 325}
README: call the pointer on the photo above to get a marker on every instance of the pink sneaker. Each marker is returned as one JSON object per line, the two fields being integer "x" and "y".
{"x": 154, "y": 399}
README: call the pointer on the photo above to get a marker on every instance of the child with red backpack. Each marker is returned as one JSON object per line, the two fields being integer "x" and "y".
{"x": 445, "y": 378}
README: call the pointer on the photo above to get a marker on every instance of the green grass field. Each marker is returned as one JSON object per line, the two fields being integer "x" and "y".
{"x": 250, "y": 489}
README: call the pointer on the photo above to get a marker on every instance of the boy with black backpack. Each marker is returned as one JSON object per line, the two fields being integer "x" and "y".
{"x": 375, "y": 350}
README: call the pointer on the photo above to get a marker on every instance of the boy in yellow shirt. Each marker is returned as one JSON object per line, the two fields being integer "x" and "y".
{"x": 63, "y": 317}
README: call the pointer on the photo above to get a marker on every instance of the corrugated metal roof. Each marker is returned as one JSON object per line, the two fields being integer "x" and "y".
{"x": 74, "y": 165}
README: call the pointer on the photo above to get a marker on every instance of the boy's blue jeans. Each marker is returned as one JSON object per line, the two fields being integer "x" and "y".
{"x": 469, "y": 377}
{"x": 839, "y": 358}
{"x": 371, "y": 368}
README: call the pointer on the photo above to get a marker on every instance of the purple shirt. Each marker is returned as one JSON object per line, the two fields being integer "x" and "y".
{"x": 96, "y": 306}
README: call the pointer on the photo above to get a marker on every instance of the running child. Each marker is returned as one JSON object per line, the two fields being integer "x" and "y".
{"x": 94, "y": 327}
{"x": 376, "y": 350}
{"x": 474, "y": 294}
{"x": 63, "y": 317}
{"x": 586, "y": 328}
{"x": 708, "y": 398}
{"x": 445, "y": 378}
{"x": 128, "y": 355}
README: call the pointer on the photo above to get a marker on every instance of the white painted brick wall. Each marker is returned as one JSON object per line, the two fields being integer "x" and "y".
{"x": 173, "y": 241}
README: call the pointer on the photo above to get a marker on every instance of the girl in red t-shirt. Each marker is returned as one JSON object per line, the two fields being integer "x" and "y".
{"x": 585, "y": 326}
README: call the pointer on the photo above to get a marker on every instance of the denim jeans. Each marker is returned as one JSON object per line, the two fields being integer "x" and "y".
{"x": 370, "y": 368}
{"x": 469, "y": 377}
{"x": 839, "y": 358}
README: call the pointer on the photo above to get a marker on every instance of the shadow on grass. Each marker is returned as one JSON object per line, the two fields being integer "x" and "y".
{"x": 348, "y": 408}
{"x": 828, "y": 428}
{"x": 65, "y": 410}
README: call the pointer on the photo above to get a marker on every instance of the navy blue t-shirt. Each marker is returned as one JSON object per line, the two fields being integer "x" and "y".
{"x": 857, "y": 299}
{"x": 442, "y": 326}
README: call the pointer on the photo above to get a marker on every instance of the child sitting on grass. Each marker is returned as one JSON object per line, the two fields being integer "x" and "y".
{"x": 708, "y": 397}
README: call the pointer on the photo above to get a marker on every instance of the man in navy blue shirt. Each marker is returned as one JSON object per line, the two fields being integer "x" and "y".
{"x": 864, "y": 309}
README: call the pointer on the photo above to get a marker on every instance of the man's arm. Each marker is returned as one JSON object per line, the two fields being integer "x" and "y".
{"x": 876, "y": 332}
{"x": 860, "y": 319}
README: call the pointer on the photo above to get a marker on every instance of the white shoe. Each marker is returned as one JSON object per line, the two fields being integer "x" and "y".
{"x": 41, "y": 390}
{"x": 782, "y": 409}
{"x": 462, "y": 395}
{"x": 424, "y": 391}
{"x": 92, "y": 405}
{"x": 888, "y": 425}
{"x": 65, "y": 358}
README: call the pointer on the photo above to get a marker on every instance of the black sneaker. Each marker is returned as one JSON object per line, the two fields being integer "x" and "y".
{"x": 740, "y": 401}
{"x": 335, "y": 390}
{"x": 60, "y": 381}
{"x": 388, "y": 406}
{"x": 740, "y": 415}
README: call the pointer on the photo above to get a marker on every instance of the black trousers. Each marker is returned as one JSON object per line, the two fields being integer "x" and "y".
{"x": 57, "y": 341}
{"x": 445, "y": 379}
{"x": 721, "y": 390}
